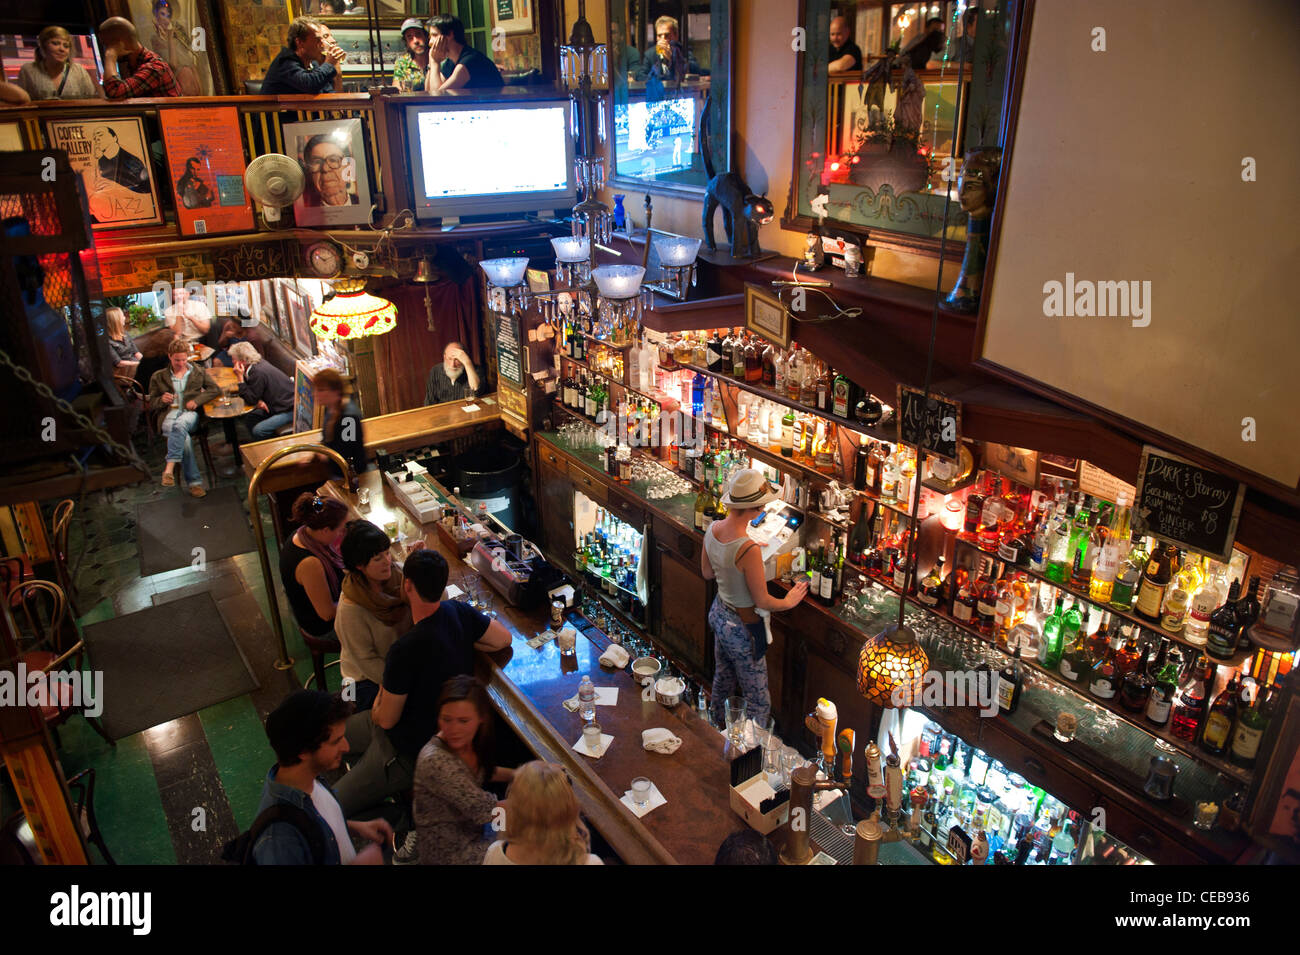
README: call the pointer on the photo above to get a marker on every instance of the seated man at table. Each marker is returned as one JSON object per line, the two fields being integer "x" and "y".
{"x": 264, "y": 387}
{"x": 180, "y": 391}
{"x": 146, "y": 74}
{"x": 454, "y": 380}
{"x": 404, "y": 717}
{"x": 189, "y": 317}
{"x": 308, "y": 64}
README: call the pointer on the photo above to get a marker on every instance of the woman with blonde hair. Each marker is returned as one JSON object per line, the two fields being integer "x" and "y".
{"x": 120, "y": 343}
{"x": 53, "y": 74}
{"x": 542, "y": 822}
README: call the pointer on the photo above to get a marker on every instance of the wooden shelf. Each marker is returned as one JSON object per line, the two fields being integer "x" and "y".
{"x": 637, "y": 452}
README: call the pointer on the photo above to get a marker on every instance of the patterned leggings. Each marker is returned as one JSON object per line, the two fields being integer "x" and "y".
{"x": 734, "y": 666}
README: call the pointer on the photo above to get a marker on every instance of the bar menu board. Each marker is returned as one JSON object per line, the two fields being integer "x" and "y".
{"x": 1186, "y": 504}
{"x": 933, "y": 423}
{"x": 510, "y": 360}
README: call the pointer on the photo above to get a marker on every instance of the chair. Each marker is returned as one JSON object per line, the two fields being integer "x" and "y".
{"x": 43, "y": 608}
{"x": 134, "y": 395}
{"x": 18, "y": 846}
{"x": 319, "y": 647}
{"x": 61, "y": 524}
{"x": 83, "y": 785}
{"x": 199, "y": 438}
{"x": 13, "y": 571}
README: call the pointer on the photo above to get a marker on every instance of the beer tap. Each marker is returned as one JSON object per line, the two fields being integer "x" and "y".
{"x": 822, "y": 721}
{"x": 803, "y": 784}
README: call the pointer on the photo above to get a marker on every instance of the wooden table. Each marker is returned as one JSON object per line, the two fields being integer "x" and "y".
{"x": 227, "y": 411}
{"x": 201, "y": 352}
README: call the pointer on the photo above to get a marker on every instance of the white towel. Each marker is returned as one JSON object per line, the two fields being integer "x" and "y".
{"x": 615, "y": 657}
{"x": 660, "y": 740}
{"x": 766, "y": 617}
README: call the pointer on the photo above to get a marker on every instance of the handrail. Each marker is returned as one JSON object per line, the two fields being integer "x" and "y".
{"x": 254, "y": 513}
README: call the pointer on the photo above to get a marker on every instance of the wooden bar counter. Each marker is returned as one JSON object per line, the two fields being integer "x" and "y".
{"x": 528, "y": 688}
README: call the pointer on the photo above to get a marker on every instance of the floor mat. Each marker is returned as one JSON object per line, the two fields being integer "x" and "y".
{"x": 171, "y": 529}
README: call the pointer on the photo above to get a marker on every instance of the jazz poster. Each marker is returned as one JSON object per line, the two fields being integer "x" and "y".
{"x": 111, "y": 154}
{"x": 205, "y": 167}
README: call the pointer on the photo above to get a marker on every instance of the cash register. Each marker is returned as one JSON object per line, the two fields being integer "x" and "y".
{"x": 776, "y": 529}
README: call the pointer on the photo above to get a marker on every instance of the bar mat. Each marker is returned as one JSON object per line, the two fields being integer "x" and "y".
{"x": 170, "y": 529}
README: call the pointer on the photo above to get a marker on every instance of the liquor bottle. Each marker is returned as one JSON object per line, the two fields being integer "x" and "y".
{"x": 738, "y": 356}
{"x": 808, "y": 386}
{"x": 794, "y": 373}
{"x": 876, "y": 459}
{"x": 824, "y": 388}
{"x": 1216, "y": 734}
{"x": 974, "y": 508}
{"x": 1080, "y": 530}
{"x": 1211, "y": 595}
{"x": 986, "y": 606}
{"x": 1107, "y": 545}
{"x": 1052, "y": 647}
{"x": 901, "y": 568}
{"x": 868, "y": 410}
{"x": 1086, "y": 555}
{"x": 931, "y": 588}
{"x": 753, "y": 362}
{"x": 1058, "y": 547}
{"x": 827, "y": 590}
{"x": 1250, "y": 729}
{"x": 1135, "y": 688}
{"x": 1004, "y": 617}
{"x": 701, "y": 505}
{"x": 964, "y": 606}
{"x": 1164, "y": 675}
{"x": 1129, "y": 654}
{"x": 767, "y": 365}
{"x": 841, "y": 389}
{"x": 1189, "y": 702}
{"x": 1075, "y": 659}
{"x": 1155, "y": 580}
{"x": 1071, "y": 625}
{"x": 1010, "y": 683}
{"x": 1130, "y": 574}
{"x": 1102, "y": 678}
{"x": 1225, "y": 627}
{"x": 1039, "y": 542}
{"x": 1248, "y": 609}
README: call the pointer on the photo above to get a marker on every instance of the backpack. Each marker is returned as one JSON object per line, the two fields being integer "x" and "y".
{"x": 240, "y": 849}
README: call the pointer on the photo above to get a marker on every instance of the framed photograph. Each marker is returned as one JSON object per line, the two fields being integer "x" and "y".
{"x": 168, "y": 28}
{"x": 11, "y": 138}
{"x": 205, "y": 166}
{"x": 333, "y": 158}
{"x": 111, "y": 154}
{"x": 300, "y": 320}
{"x": 280, "y": 297}
{"x": 356, "y": 44}
{"x": 1019, "y": 464}
{"x": 512, "y": 16}
{"x": 766, "y": 316}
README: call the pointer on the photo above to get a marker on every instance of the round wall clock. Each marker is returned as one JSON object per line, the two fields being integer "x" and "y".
{"x": 324, "y": 259}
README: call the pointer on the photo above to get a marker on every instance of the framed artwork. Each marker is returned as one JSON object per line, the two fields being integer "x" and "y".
{"x": 766, "y": 316}
{"x": 356, "y": 44}
{"x": 11, "y": 138}
{"x": 174, "y": 29}
{"x": 205, "y": 165}
{"x": 512, "y": 16}
{"x": 111, "y": 154}
{"x": 1019, "y": 464}
{"x": 333, "y": 158}
{"x": 300, "y": 320}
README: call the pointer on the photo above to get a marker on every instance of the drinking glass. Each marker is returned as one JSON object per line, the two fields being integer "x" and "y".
{"x": 761, "y": 732}
{"x": 791, "y": 759}
{"x": 640, "y": 792}
{"x": 736, "y": 719}
{"x": 567, "y": 641}
{"x": 591, "y": 737}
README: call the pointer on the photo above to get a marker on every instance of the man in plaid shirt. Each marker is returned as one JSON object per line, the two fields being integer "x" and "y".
{"x": 146, "y": 74}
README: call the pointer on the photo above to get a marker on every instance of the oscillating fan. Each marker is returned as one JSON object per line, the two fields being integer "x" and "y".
{"x": 274, "y": 181}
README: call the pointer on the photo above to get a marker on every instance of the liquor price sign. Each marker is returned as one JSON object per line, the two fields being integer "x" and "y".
{"x": 1187, "y": 505}
{"x": 931, "y": 423}
{"x": 510, "y": 360}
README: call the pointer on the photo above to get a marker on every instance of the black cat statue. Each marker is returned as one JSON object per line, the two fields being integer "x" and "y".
{"x": 742, "y": 211}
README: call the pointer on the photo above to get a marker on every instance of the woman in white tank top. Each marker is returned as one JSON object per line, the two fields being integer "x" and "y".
{"x": 735, "y": 561}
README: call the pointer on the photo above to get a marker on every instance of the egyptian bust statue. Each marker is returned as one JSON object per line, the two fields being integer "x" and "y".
{"x": 977, "y": 192}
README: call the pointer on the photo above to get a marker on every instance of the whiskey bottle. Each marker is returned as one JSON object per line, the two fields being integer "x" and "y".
{"x": 1107, "y": 544}
{"x": 1010, "y": 683}
{"x": 931, "y": 589}
{"x": 1216, "y": 734}
{"x": 1155, "y": 580}
{"x": 1102, "y": 678}
{"x": 1135, "y": 689}
{"x": 1225, "y": 627}
{"x": 1250, "y": 729}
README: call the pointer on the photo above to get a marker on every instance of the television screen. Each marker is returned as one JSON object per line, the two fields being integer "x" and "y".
{"x": 656, "y": 138}
{"x": 484, "y": 158}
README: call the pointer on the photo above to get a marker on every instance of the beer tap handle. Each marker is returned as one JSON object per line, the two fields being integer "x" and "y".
{"x": 846, "y": 746}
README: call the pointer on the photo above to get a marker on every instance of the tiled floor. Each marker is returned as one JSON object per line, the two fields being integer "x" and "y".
{"x": 176, "y": 792}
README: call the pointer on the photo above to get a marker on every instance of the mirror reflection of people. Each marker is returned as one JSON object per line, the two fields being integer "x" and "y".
{"x": 411, "y": 67}
{"x": 341, "y": 423}
{"x": 964, "y": 48}
{"x": 668, "y": 59}
{"x": 173, "y": 41}
{"x": 194, "y": 192}
{"x": 188, "y": 317}
{"x": 53, "y": 74}
{"x": 324, "y": 159}
{"x": 925, "y": 45}
{"x": 131, "y": 71}
{"x": 453, "y": 63}
{"x": 454, "y": 380}
{"x": 845, "y": 56}
{"x": 309, "y": 63}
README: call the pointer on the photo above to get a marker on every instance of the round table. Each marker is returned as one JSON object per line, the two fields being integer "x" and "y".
{"x": 227, "y": 410}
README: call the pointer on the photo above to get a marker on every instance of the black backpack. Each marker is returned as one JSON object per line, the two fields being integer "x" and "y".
{"x": 240, "y": 849}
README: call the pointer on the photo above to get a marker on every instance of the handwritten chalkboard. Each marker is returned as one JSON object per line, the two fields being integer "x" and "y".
{"x": 1186, "y": 504}
{"x": 510, "y": 362}
{"x": 933, "y": 424}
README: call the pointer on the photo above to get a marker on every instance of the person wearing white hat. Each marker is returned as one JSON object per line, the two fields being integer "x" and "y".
{"x": 411, "y": 66}
{"x": 740, "y": 611}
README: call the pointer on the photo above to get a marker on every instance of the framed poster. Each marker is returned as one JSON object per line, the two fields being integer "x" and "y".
{"x": 11, "y": 138}
{"x": 174, "y": 29}
{"x": 300, "y": 320}
{"x": 205, "y": 163}
{"x": 111, "y": 154}
{"x": 766, "y": 316}
{"x": 356, "y": 44}
{"x": 333, "y": 158}
{"x": 512, "y": 16}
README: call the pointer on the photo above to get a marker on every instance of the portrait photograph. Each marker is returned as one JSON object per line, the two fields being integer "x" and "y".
{"x": 333, "y": 158}
{"x": 111, "y": 154}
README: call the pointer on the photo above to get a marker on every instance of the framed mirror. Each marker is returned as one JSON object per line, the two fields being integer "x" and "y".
{"x": 892, "y": 96}
{"x": 670, "y": 76}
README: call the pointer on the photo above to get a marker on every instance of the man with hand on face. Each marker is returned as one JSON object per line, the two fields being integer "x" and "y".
{"x": 145, "y": 74}
{"x": 454, "y": 380}
{"x": 469, "y": 69}
{"x": 309, "y": 64}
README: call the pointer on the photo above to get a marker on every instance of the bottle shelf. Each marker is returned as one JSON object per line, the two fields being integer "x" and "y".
{"x": 1129, "y": 616}
{"x": 636, "y": 452}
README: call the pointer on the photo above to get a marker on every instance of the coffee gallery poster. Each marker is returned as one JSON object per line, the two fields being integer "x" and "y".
{"x": 205, "y": 167}
{"x": 111, "y": 155}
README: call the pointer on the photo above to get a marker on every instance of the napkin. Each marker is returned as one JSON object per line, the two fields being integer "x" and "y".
{"x": 660, "y": 740}
{"x": 615, "y": 657}
{"x": 581, "y": 746}
{"x": 654, "y": 802}
{"x": 605, "y": 696}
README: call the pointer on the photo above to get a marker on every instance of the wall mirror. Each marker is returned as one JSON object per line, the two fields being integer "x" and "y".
{"x": 891, "y": 97}
{"x": 670, "y": 73}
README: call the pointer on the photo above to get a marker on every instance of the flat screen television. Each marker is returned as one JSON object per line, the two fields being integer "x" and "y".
{"x": 655, "y": 138}
{"x": 480, "y": 160}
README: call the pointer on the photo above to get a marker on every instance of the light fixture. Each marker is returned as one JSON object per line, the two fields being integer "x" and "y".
{"x": 507, "y": 291}
{"x": 426, "y": 275}
{"x": 952, "y": 517}
{"x": 353, "y": 313}
{"x": 892, "y": 665}
{"x": 618, "y": 306}
{"x": 676, "y": 255}
{"x": 572, "y": 259}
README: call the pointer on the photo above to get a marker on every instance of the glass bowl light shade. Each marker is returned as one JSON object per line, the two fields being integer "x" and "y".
{"x": 571, "y": 248}
{"x": 505, "y": 273}
{"x": 676, "y": 251}
{"x": 618, "y": 281}
{"x": 353, "y": 314}
{"x": 892, "y": 661}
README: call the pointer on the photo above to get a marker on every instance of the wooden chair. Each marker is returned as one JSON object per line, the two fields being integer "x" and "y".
{"x": 82, "y": 786}
{"x": 13, "y": 571}
{"x": 51, "y": 643}
{"x": 199, "y": 438}
{"x": 61, "y": 525}
{"x": 18, "y": 846}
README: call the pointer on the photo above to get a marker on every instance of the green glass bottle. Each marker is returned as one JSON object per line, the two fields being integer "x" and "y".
{"x": 1049, "y": 651}
{"x": 1250, "y": 729}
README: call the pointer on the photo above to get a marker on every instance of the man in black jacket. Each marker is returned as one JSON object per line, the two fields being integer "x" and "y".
{"x": 309, "y": 64}
{"x": 264, "y": 386}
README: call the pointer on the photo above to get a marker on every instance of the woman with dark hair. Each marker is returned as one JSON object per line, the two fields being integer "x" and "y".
{"x": 341, "y": 424}
{"x": 372, "y": 612}
{"x": 310, "y": 566}
{"x": 451, "y": 806}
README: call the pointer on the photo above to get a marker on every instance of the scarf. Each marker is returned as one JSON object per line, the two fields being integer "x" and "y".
{"x": 329, "y": 558}
{"x": 388, "y": 606}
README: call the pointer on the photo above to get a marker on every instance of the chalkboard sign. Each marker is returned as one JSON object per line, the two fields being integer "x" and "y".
{"x": 1187, "y": 505}
{"x": 933, "y": 423}
{"x": 510, "y": 361}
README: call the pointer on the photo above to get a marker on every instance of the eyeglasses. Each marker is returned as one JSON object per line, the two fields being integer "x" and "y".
{"x": 329, "y": 162}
